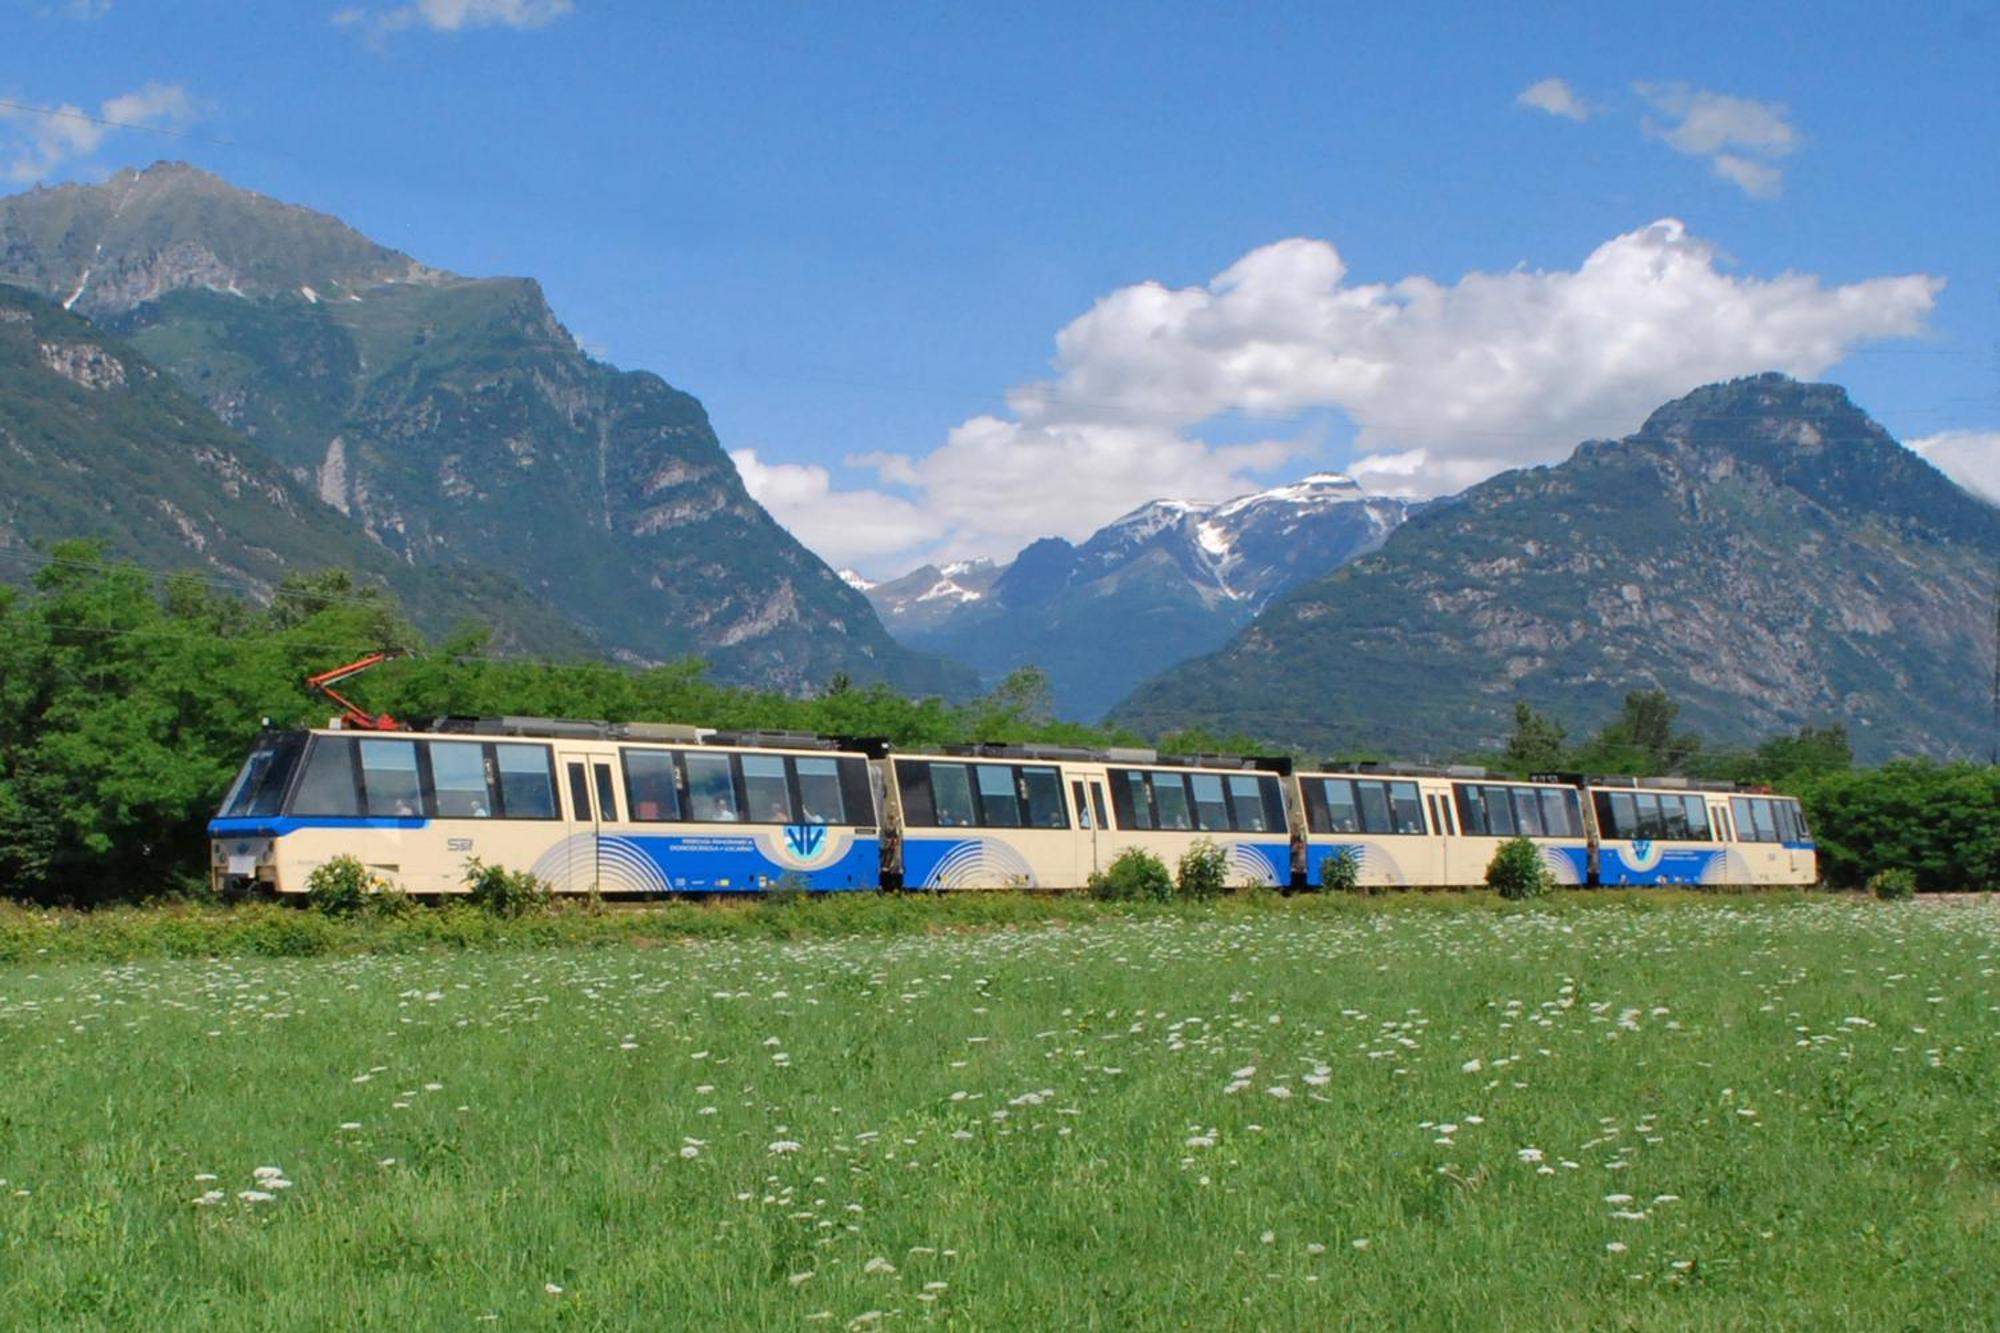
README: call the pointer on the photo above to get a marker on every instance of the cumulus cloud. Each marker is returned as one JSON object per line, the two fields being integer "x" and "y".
{"x": 1969, "y": 457}
{"x": 1556, "y": 97}
{"x": 454, "y": 15}
{"x": 1447, "y": 383}
{"x": 35, "y": 142}
{"x": 846, "y": 527}
{"x": 1741, "y": 138}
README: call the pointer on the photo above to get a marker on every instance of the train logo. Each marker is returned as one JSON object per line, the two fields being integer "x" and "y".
{"x": 803, "y": 846}
{"x": 804, "y": 839}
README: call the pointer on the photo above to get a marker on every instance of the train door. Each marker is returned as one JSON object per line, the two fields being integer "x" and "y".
{"x": 1437, "y": 806}
{"x": 580, "y": 870}
{"x": 1086, "y": 792}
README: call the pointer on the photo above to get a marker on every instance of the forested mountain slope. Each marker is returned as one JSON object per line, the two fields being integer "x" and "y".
{"x": 455, "y": 420}
{"x": 97, "y": 443}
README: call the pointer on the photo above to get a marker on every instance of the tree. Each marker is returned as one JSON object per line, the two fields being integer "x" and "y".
{"x": 1537, "y": 743}
{"x": 1641, "y": 739}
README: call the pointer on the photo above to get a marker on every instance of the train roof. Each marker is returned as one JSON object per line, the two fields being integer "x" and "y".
{"x": 657, "y": 733}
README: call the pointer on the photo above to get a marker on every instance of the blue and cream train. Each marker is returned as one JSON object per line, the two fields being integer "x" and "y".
{"x": 646, "y": 810}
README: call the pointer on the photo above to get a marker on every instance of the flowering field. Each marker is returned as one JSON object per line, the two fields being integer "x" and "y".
{"x": 1711, "y": 1115}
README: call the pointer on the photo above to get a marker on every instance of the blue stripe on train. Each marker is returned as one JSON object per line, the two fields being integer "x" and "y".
{"x": 276, "y": 826}
{"x": 1640, "y": 862}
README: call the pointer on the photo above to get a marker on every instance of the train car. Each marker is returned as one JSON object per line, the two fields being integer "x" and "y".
{"x": 1436, "y": 827}
{"x": 1674, "y": 831}
{"x": 997, "y": 816}
{"x": 621, "y": 809}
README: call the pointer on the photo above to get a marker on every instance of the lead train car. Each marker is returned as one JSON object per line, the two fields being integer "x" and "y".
{"x": 1670, "y": 831}
{"x": 622, "y": 809}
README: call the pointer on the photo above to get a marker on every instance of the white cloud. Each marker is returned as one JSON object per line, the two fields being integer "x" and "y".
{"x": 454, "y": 15}
{"x": 843, "y": 526}
{"x": 83, "y": 11}
{"x": 1759, "y": 180}
{"x": 1447, "y": 383}
{"x": 1556, "y": 97}
{"x": 37, "y": 142}
{"x": 1969, "y": 457}
{"x": 1740, "y": 137}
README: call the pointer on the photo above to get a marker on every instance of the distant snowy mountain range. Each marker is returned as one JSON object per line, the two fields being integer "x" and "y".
{"x": 1168, "y": 581}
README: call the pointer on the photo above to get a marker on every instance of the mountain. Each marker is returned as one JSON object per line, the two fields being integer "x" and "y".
{"x": 456, "y": 420}
{"x": 1761, "y": 549}
{"x": 96, "y": 442}
{"x": 1169, "y": 580}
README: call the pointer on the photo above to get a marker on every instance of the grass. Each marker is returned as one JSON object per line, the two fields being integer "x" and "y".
{"x": 1588, "y": 1113}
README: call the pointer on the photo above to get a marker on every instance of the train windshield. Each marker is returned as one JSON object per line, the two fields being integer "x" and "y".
{"x": 259, "y": 788}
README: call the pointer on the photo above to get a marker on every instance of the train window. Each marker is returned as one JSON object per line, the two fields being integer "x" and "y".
{"x": 652, "y": 788}
{"x": 1673, "y": 818}
{"x": 1799, "y": 830}
{"x": 1697, "y": 817}
{"x": 711, "y": 789}
{"x": 1374, "y": 801}
{"x": 1170, "y": 798}
{"x": 1650, "y": 823}
{"x": 389, "y": 778}
{"x": 1342, "y": 814}
{"x": 458, "y": 780}
{"x": 914, "y": 780}
{"x": 766, "y": 794}
{"x": 999, "y": 802}
{"x": 1624, "y": 820}
{"x": 951, "y": 789}
{"x": 607, "y": 796}
{"x": 259, "y": 788}
{"x": 1097, "y": 802}
{"x": 1082, "y": 810}
{"x": 1499, "y": 812}
{"x": 1739, "y": 811}
{"x": 1527, "y": 812}
{"x": 1211, "y": 809}
{"x": 1408, "y": 808}
{"x": 1130, "y": 799}
{"x": 1555, "y": 813}
{"x": 1767, "y": 827}
{"x": 819, "y": 791}
{"x": 527, "y": 787}
{"x": 1471, "y": 810}
{"x": 1246, "y": 794}
{"x": 1045, "y": 802}
{"x": 328, "y": 787}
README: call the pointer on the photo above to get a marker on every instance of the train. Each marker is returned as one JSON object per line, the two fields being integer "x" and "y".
{"x": 638, "y": 810}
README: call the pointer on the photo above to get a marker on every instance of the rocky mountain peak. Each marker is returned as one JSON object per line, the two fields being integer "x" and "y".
{"x": 103, "y": 249}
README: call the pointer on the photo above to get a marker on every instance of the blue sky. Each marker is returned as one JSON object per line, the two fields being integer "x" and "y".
{"x": 852, "y": 230}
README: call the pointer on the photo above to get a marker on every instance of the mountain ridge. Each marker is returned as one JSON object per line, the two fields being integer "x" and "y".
{"x": 1761, "y": 549}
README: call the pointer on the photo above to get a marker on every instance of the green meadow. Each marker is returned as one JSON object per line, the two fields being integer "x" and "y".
{"x": 1307, "y": 1113}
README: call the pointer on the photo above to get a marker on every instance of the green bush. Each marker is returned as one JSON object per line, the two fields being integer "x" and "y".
{"x": 1893, "y": 884}
{"x": 498, "y": 891}
{"x": 1941, "y": 822}
{"x": 1341, "y": 872}
{"x": 1516, "y": 871}
{"x": 341, "y": 887}
{"x": 1203, "y": 871}
{"x": 1135, "y": 876}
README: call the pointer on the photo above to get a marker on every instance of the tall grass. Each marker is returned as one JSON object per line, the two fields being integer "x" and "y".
{"x": 1591, "y": 1112}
